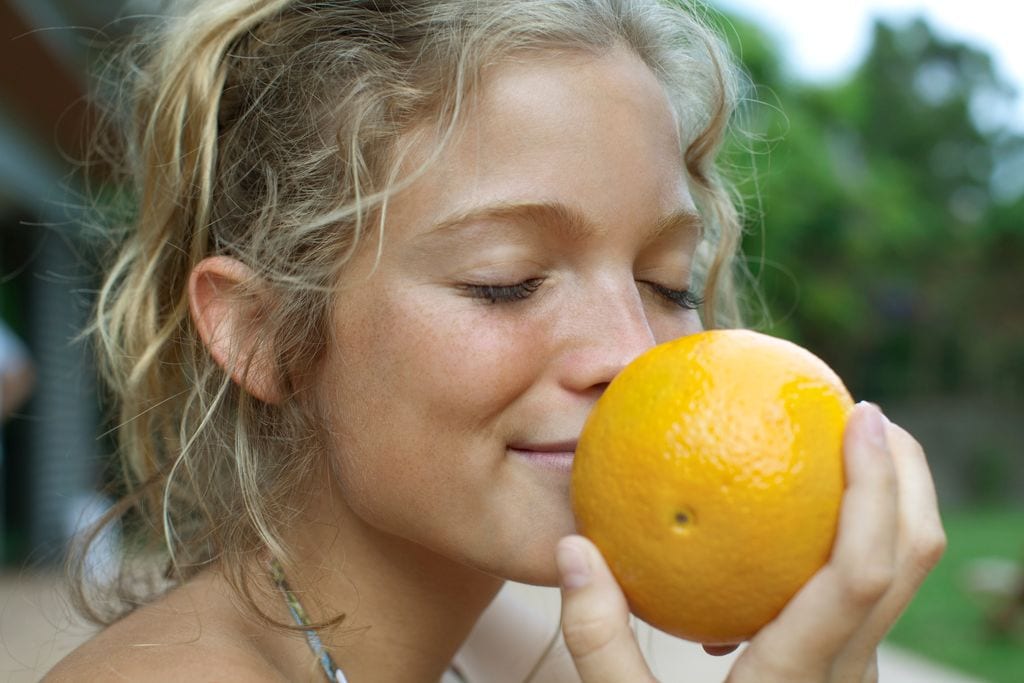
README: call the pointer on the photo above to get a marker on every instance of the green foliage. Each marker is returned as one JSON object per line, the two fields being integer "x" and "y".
{"x": 878, "y": 230}
{"x": 949, "y": 624}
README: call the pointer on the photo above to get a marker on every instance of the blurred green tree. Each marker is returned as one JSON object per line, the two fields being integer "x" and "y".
{"x": 884, "y": 226}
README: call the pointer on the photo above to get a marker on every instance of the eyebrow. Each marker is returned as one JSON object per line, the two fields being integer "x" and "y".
{"x": 559, "y": 217}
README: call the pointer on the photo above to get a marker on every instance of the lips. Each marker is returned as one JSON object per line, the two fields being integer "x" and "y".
{"x": 567, "y": 446}
{"x": 550, "y": 455}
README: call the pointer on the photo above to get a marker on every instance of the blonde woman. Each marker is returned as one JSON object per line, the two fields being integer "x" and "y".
{"x": 384, "y": 257}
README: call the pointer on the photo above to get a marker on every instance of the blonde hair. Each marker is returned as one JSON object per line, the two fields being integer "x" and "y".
{"x": 267, "y": 130}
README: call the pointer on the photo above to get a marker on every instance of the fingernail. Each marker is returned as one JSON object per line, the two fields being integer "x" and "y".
{"x": 874, "y": 425}
{"x": 573, "y": 565}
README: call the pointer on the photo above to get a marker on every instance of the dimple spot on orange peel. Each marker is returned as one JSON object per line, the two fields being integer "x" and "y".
{"x": 710, "y": 476}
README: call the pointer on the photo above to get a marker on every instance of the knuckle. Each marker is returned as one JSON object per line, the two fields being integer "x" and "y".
{"x": 867, "y": 586}
{"x": 588, "y": 634}
{"x": 929, "y": 548}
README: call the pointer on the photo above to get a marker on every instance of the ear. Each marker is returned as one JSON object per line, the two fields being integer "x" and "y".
{"x": 223, "y": 306}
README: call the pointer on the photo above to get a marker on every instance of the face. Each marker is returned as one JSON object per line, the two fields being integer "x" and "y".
{"x": 548, "y": 246}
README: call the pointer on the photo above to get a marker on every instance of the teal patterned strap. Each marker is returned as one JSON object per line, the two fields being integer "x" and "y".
{"x": 331, "y": 670}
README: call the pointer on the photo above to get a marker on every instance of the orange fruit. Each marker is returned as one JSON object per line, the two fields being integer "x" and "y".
{"x": 710, "y": 474}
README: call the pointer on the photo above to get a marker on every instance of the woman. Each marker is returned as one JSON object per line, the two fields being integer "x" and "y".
{"x": 386, "y": 256}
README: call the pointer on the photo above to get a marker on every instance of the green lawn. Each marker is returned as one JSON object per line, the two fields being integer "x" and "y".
{"x": 945, "y": 623}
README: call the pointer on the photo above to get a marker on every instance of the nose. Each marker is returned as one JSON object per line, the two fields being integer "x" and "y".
{"x": 607, "y": 332}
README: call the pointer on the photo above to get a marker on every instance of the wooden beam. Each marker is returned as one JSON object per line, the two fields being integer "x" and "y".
{"x": 42, "y": 93}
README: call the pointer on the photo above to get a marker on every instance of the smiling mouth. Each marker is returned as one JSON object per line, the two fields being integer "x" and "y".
{"x": 556, "y": 457}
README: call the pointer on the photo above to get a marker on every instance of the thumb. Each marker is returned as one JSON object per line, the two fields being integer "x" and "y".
{"x": 595, "y": 617}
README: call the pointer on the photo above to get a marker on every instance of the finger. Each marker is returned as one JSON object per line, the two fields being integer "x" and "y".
{"x": 595, "y": 617}
{"x": 922, "y": 539}
{"x": 866, "y": 673}
{"x": 803, "y": 641}
{"x": 920, "y": 543}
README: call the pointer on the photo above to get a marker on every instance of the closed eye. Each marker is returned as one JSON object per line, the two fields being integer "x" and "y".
{"x": 683, "y": 298}
{"x": 497, "y": 294}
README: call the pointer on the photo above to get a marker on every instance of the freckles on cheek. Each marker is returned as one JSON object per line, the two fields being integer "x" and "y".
{"x": 434, "y": 365}
{"x": 680, "y": 326}
{"x": 486, "y": 358}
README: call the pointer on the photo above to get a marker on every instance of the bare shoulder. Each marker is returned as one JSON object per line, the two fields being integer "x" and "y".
{"x": 185, "y": 636}
{"x": 513, "y": 636}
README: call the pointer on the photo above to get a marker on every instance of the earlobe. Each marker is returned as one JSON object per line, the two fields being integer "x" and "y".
{"x": 224, "y": 297}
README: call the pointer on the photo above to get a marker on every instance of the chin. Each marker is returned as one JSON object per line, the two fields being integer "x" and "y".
{"x": 546, "y": 575}
{"x": 534, "y": 562}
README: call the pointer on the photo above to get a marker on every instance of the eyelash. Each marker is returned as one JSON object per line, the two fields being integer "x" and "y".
{"x": 499, "y": 294}
{"x": 683, "y": 298}
{"x": 503, "y": 294}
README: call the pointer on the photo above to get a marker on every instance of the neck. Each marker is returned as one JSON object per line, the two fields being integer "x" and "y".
{"x": 407, "y": 609}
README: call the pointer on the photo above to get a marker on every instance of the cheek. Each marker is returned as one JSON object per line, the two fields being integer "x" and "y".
{"x": 417, "y": 396}
{"x": 459, "y": 365}
{"x": 667, "y": 328}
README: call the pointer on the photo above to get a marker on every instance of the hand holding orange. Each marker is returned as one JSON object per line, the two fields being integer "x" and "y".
{"x": 710, "y": 476}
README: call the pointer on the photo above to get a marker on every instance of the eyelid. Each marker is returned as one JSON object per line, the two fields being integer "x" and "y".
{"x": 503, "y": 293}
{"x": 683, "y": 298}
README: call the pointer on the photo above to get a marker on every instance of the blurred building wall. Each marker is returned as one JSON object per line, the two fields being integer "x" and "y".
{"x": 51, "y": 461}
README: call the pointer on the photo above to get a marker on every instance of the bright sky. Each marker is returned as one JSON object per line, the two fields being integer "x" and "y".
{"x": 824, "y": 40}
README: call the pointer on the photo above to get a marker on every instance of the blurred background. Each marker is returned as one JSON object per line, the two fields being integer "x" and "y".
{"x": 881, "y": 161}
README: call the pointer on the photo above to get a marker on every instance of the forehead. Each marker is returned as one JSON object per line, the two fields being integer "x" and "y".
{"x": 591, "y": 131}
